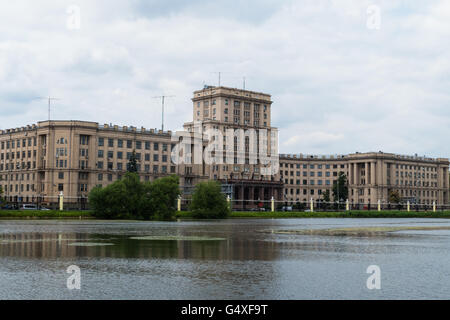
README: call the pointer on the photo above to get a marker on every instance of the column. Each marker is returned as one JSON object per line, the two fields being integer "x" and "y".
{"x": 350, "y": 174}
{"x": 355, "y": 174}
{"x": 373, "y": 180}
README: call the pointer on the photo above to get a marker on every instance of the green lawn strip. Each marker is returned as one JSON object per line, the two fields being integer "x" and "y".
{"x": 341, "y": 214}
{"x": 43, "y": 214}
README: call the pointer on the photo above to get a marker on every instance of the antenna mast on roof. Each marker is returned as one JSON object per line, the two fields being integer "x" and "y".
{"x": 162, "y": 107}
{"x": 50, "y": 99}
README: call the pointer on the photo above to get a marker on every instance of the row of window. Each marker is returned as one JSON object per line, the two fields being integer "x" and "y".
{"x": 311, "y": 166}
{"x": 311, "y": 173}
{"x": 119, "y": 155}
{"x": 311, "y": 182}
{"x": 18, "y": 155}
{"x": 18, "y": 143}
{"x": 18, "y": 177}
{"x": 138, "y": 145}
{"x": 237, "y": 104}
{"x": 19, "y": 188}
{"x": 18, "y": 166}
{"x": 121, "y": 167}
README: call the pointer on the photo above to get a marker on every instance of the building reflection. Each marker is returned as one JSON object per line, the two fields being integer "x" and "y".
{"x": 60, "y": 245}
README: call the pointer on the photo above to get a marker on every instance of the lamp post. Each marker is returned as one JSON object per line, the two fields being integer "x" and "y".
{"x": 243, "y": 191}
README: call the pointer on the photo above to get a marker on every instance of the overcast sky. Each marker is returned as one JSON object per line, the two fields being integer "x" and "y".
{"x": 342, "y": 77}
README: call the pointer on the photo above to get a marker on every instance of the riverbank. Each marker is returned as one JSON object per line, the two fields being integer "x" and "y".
{"x": 45, "y": 214}
{"x": 56, "y": 214}
{"x": 341, "y": 214}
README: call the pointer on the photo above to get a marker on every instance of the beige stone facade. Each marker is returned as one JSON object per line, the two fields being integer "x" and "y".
{"x": 40, "y": 161}
{"x": 222, "y": 109}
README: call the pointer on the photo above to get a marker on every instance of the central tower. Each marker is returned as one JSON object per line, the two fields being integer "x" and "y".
{"x": 238, "y": 122}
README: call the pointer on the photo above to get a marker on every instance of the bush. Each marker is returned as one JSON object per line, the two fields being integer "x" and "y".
{"x": 129, "y": 198}
{"x": 161, "y": 198}
{"x": 208, "y": 201}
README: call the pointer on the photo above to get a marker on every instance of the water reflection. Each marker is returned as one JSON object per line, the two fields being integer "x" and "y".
{"x": 64, "y": 245}
{"x": 248, "y": 264}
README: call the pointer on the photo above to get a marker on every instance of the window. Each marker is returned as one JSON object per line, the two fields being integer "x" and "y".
{"x": 129, "y": 144}
{"x": 111, "y": 143}
{"x": 84, "y": 140}
{"x": 120, "y": 143}
{"x": 101, "y": 142}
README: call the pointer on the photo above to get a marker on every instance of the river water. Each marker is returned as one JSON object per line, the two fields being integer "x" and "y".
{"x": 227, "y": 259}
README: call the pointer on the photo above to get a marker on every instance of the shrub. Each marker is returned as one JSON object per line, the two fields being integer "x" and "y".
{"x": 161, "y": 198}
{"x": 208, "y": 202}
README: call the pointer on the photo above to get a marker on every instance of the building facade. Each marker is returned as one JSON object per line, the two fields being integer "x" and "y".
{"x": 238, "y": 122}
{"x": 371, "y": 177}
{"x": 40, "y": 161}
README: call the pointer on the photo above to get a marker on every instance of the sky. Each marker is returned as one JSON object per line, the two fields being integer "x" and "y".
{"x": 344, "y": 75}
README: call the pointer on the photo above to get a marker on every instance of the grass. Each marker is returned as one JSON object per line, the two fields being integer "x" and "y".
{"x": 44, "y": 214}
{"x": 247, "y": 214}
{"x": 341, "y": 214}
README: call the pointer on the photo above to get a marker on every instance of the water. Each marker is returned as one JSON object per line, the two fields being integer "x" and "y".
{"x": 246, "y": 264}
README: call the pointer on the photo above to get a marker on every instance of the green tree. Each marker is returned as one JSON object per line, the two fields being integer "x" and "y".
{"x": 109, "y": 202}
{"x": 394, "y": 196}
{"x": 132, "y": 163}
{"x": 326, "y": 196}
{"x": 340, "y": 188}
{"x": 326, "y": 199}
{"x": 129, "y": 198}
{"x": 160, "y": 201}
{"x": 1, "y": 196}
{"x": 208, "y": 201}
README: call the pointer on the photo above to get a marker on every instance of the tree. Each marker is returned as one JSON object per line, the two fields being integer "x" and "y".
{"x": 340, "y": 188}
{"x": 1, "y": 195}
{"x": 326, "y": 199}
{"x": 161, "y": 198}
{"x": 208, "y": 201}
{"x": 132, "y": 163}
{"x": 326, "y": 196}
{"x": 394, "y": 196}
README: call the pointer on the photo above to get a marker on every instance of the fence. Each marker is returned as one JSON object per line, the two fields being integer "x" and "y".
{"x": 321, "y": 206}
{"x": 81, "y": 203}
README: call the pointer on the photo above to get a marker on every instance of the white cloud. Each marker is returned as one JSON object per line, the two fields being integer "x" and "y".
{"x": 337, "y": 86}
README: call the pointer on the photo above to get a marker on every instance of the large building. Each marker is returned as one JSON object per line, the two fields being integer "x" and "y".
{"x": 246, "y": 116}
{"x": 40, "y": 161}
